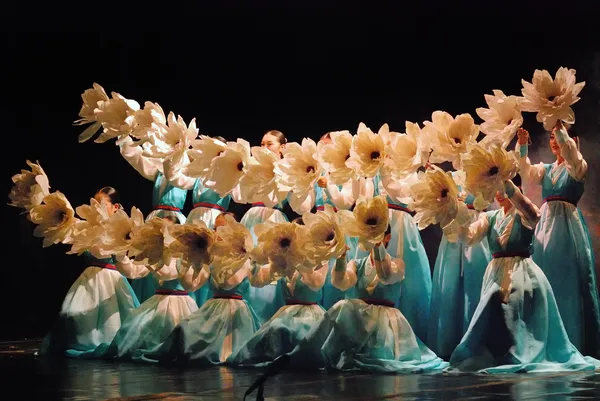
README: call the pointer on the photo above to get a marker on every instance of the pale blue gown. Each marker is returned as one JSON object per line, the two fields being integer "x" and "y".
{"x": 93, "y": 310}
{"x": 150, "y": 324}
{"x": 457, "y": 279}
{"x": 516, "y": 327}
{"x": 367, "y": 334}
{"x": 414, "y": 297}
{"x": 215, "y": 331}
{"x": 290, "y": 324}
{"x": 562, "y": 246}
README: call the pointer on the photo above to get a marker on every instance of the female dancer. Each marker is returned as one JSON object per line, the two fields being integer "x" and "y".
{"x": 167, "y": 200}
{"x": 457, "y": 279}
{"x": 517, "y": 326}
{"x": 562, "y": 246}
{"x": 95, "y": 306}
{"x": 266, "y": 300}
{"x": 368, "y": 333}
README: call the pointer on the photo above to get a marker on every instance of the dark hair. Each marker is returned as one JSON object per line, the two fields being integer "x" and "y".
{"x": 172, "y": 219}
{"x": 299, "y": 221}
{"x": 325, "y": 136}
{"x": 219, "y": 138}
{"x": 112, "y": 193}
{"x": 279, "y": 135}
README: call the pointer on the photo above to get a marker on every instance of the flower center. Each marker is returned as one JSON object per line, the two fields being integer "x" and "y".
{"x": 457, "y": 141}
{"x": 375, "y": 155}
{"x": 493, "y": 171}
{"x": 551, "y": 98}
{"x": 61, "y": 215}
{"x": 310, "y": 169}
{"x": 330, "y": 237}
{"x": 219, "y": 154}
{"x": 285, "y": 242}
{"x": 444, "y": 192}
{"x": 347, "y": 157}
{"x": 201, "y": 242}
{"x": 240, "y": 166}
{"x": 372, "y": 221}
{"x": 128, "y": 236}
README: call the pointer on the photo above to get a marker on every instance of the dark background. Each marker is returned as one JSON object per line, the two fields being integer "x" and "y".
{"x": 242, "y": 70}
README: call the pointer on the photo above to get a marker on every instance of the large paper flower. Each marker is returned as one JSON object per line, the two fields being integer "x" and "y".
{"x": 203, "y": 151}
{"x": 55, "y": 219}
{"x": 333, "y": 156}
{"x": 551, "y": 98}
{"x": 175, "y": 135}
{"x": 231, "y": 250}
{"x": 326, "y": 238}
{"x": 117, "y": 236}
{"x": 227, "y": 169}
{"x": 30, "y": 187}
{"x": 298, "y": 171}
{"x": 367, "y": 152}
{"x": 112, "y": 114}
{"x": 283, "y": 245}
{"x": 89, "y": 231}
{"x": 192, "y": 243}
{"x": 368, "y": 222}
{"x": 486, "y": 170}
{"x": 91, "y": 98}
{"x": 259, "y": 183}
{"x": 501, "y": 119}
{"x": 450, "y": 136}
{"x": 407, "y": 152}
{"x": 435, "y": 199}
{"x": 148, "y": 244}
{"x": 148, "y": 121}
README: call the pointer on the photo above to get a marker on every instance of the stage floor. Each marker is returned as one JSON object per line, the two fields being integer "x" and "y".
{"x": 23, "y": 376}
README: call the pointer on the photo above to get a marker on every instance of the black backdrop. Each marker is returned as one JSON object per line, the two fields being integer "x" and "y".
{"x": 241, "y": 71}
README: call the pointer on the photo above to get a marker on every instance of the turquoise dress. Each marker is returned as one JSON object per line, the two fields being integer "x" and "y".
{"x": 367, "y": 334}
{"x": 457, "y": 279}
{"x": 562, "y": 248}
{"x": 167, "y": 200}
{"x": 95, "y": 306}
{"x": 215, "y": 331}
{"x": 414, "y": 297}
{"x": 267, "y": 300}
{"x": 149, "y": 325}
{"x": 286, "y": 328}
{"x": 517, "y": 326}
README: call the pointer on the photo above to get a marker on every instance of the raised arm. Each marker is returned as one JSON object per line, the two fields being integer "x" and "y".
{"x": 134, "y": 156}
{"x": 344, "y": 275}
{"x": 576, "y": 164}
{"x": 168, "y": 272}
{"x": 260, "y": 275}
{"x": 126, "y": 267}
{"x": 530, "y": 213}
{"x": 316, "y": 279}
{"x": 476, "y": 231}
{"x": 531, "y": 174}
{"x": 389, "y": 271}
{"x": 173, "y": 169}
{"x": 343, "y": 198}
{"x": 191, "y": 283}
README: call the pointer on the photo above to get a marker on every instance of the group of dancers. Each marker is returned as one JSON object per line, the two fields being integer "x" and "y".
{"x": 513, "y": 288}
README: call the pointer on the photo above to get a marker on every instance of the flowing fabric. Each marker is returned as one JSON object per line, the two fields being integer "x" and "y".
{"x": 95, "y": 306}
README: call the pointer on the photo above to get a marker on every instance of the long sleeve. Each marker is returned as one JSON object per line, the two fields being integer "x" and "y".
{"x": 316, "y": 279}
{"x": 126, "y": 267}
{"x": 530, "y": 173}
{"x": 260, "y": 276}
{"x": 190, "y": 283}
{"x": 576, "y": 164}
{"x": 343, "y": 199}
{"x": 134, "y": 156}
{"x": 530, "y": 213}
{"x": 168, "y": 272}
{"x": 476, "y": 231}
{"x": 389, "y": 271}
{"x": 173, "y": 170}
{"x": 344, "y": 275}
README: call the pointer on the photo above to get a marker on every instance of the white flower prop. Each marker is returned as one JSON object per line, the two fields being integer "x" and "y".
{"x": 407, "y": 152}
{"x": 30, "y": 187}
{"x": 551, "y": 98}
{"x": 501, "y": 119}
{"x": 167, "y": 138}
{"x": 298, "y": 171}
{"x": 450, "y": 136}
{"x": 367, "y": 152}
{"x": 435, "y": 199}
{"x": 227, "y": 169}
{"x": 202, "y": 153}
{"x": 88, "y": 232}
{"x": 485, "y": 172}
{"x": 55, "y": 219}
{"x": 147, "y": 244}
{"x": 231, "y": 249}
{"x": 117, "y": 235}
{"x": 112, "y": 114}
{"x": 192, "y": 243}
{"x": 147, "y": 122}
{"x": 333, "y": 156}
{"x": 283, "y": 244}
{"x": 368, "y": 221}
{"x": 259, "y": 183}
{"x": 91, "y": 98}
{"x": 326, "y": 238}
